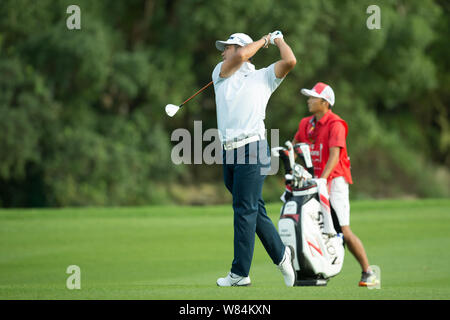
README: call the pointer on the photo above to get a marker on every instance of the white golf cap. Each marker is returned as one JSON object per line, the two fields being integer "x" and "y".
{"x": 320, "y": 90}
{"x": 241, "y": 39}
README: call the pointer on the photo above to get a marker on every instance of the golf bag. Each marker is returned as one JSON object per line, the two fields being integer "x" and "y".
{"x": 306, "y": 221}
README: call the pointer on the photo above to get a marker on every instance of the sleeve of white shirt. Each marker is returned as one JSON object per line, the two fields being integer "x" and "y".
{"x": 216, "y": 74}
{"x": 272, "y": 79}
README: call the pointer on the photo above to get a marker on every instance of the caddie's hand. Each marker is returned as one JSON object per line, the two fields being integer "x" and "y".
{"x": 275, "y": 35}
{"x": 267, "y": 40}
{"x": 321, "y": 182}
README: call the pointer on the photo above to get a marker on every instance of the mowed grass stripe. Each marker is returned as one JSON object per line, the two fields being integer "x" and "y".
{"x": 169, "y": 252}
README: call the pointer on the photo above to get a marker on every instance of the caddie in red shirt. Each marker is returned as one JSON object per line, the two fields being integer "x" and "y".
{"x": 326, "y": 134}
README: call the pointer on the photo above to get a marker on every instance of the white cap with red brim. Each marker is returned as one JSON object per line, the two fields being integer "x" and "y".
{"x": 320, "y": 90}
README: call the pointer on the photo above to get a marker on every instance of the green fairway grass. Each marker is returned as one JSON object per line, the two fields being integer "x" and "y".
{"x": 169, "y": 252}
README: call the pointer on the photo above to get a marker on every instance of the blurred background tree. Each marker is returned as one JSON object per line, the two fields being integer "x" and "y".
{"x": 82, "y": 111}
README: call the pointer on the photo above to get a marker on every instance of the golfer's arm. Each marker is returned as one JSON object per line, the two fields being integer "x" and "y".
{"x": 251, "y": 49}
{"x": 231, "y": 65}
{"x": 332, "y": 162}
{"x": 288, "y": 60}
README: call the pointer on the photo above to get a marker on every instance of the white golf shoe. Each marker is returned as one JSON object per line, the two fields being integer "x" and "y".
{"x": 233, "y": 280}
{"x": 286, "y": 266}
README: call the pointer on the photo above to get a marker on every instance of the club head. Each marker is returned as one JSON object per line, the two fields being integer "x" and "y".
{"x": 171, "y": 109}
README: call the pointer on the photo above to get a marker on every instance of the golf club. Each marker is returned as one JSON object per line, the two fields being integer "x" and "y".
{"x": 171, "y": 109}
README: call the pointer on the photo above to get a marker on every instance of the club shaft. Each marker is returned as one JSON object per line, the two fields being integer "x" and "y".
{"x": 197, "y": 93}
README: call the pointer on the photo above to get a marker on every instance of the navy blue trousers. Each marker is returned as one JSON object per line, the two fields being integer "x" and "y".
{"x": 243, "y": 170}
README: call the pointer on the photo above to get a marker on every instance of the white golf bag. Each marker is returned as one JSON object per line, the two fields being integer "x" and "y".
{"x": 306, "y": 222}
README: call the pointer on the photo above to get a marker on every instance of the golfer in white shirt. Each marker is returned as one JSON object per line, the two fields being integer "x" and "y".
{"x": 242, "y": 93}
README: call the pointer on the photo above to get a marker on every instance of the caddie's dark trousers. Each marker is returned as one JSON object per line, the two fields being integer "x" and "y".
{"x": 245, "y": 169}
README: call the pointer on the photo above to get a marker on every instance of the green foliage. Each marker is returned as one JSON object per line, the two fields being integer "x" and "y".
{"x": 26, "y": 115}
{"x": 82, "y": 115}
{"x": 92, "y": 169}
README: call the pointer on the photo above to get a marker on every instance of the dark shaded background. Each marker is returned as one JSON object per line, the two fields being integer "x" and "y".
{"x": 82, "y": 111}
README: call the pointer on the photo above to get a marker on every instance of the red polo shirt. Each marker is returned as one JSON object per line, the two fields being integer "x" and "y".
{"x": 329, "y": 131}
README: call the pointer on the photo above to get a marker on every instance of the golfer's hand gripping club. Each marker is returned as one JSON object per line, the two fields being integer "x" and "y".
{"x": 275, "y": 35}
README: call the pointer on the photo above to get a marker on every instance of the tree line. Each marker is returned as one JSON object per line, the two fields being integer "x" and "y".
{"x": 82, "y": 110}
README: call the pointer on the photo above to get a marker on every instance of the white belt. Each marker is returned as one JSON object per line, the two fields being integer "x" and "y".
{"x": 239, "y": 143}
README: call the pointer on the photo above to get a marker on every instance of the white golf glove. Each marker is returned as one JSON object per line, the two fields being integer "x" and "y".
{"x": 275, "y": 35}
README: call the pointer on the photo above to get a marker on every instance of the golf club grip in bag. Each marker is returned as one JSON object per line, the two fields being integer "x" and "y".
{"x": 287, "y": 165}
{"x": 303, "y": 152}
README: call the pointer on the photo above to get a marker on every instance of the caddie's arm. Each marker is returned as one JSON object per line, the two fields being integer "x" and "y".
{"x": 288, "y": 60}
{"x": 332, "y": 162}
{"x": 242, "y": 54}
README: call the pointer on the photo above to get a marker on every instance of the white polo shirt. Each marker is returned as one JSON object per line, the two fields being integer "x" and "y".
{"x": 241, "y": 100}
